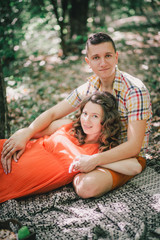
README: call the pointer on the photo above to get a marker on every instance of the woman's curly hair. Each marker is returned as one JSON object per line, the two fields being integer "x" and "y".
{"x": 110, "y": 124}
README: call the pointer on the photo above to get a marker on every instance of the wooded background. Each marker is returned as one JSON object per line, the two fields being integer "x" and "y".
{"x": 42, "y": 50}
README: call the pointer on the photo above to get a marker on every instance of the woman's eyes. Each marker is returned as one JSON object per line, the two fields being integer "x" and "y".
{"x": 86, "y": 114}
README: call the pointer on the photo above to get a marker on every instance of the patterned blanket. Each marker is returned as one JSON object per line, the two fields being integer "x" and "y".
{"x": 131, "y": 212}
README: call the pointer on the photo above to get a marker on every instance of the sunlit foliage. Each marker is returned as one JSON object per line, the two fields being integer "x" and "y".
{"x": 42, "y": 41}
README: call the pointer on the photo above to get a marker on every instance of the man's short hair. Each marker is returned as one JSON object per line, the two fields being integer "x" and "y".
{"x": 98, "y": 38}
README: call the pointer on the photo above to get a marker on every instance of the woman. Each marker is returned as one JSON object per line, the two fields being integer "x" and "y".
{"x": 50, "y": 162}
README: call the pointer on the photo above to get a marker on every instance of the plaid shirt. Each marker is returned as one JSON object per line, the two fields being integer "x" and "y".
{"x": 133, "y": 101}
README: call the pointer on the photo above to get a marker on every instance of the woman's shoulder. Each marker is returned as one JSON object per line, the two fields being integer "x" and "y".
{"x": 66, "y": 128}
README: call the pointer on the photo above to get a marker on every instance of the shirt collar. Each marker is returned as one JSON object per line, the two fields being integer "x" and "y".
{"x": 95, "y": 81}
{"x": 117, "y": 84}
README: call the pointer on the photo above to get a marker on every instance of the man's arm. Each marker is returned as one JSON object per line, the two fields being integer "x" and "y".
{"x": 52, "y": 127}
{"x": 129, "y": 166}
{"x": 17, "y": 142}
{"x": 128, "y": 149}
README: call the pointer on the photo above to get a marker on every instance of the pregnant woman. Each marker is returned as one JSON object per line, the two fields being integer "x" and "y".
{"x": 51, "y": 161}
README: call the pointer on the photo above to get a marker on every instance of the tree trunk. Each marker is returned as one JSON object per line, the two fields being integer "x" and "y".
{"x": 3, "y": 107}
{"x": 71, "y": 14}
{"x": 78, "y": 17}
{"x": 63, "y": 4}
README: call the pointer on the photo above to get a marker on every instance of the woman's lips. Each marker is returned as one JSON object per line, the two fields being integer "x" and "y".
{"x": 87, "y": 127}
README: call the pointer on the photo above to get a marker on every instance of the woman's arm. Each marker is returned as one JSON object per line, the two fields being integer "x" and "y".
{"x": 15, "y": 145}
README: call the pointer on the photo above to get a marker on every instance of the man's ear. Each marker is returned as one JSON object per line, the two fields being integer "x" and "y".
{"x": 117, "y": 57}
{"x": 87, "y": 60}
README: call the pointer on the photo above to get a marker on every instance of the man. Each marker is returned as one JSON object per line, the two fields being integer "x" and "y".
{"x": 134, "y": 106}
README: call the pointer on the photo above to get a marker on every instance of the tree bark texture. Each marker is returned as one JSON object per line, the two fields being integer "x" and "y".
{"x": 3, "y": 106}
{"x": 78, "y": 17}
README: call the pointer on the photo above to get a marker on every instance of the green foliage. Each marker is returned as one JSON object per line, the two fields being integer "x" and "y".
{"x": 11, "y": 28}
{"x": 33, "y": 35}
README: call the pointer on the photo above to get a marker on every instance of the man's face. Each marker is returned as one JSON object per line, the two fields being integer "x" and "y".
{"x": 103, "y": 60}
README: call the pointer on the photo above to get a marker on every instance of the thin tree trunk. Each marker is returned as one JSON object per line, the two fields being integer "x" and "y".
{"x": 78, "y": 17}
{"x": 4, "y": 125}
{"x": 64, "y": 4}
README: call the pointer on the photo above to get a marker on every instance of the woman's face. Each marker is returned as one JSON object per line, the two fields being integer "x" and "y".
{"x": 91, "y": 118}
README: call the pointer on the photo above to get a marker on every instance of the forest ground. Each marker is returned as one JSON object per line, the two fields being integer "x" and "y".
{"x": 44, "y": 80}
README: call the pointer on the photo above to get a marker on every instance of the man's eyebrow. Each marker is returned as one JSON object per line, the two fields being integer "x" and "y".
{"x": 109, "y": 53}
{"x": 96, "y": 54}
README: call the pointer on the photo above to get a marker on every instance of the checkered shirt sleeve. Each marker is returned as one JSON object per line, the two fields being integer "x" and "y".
{"x": 138, "y": 104}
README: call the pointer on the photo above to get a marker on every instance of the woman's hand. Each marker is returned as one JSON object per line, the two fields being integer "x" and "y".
{"x": 14, "y": 147}
{"x": 83, "y": 163}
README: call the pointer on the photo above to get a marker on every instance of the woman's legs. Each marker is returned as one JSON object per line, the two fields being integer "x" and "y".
{"x": 102, "y": 180}
{"x": 93, "y": 184}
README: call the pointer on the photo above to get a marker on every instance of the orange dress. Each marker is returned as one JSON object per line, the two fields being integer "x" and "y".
{"x": 44, "y": 165}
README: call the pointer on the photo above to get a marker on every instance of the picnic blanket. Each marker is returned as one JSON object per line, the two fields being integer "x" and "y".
{"x": 130, "y": 212}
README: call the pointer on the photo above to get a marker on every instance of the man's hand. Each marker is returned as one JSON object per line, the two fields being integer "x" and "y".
{"x": 83, "y": 163}
{"x": 14, "y": 147}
